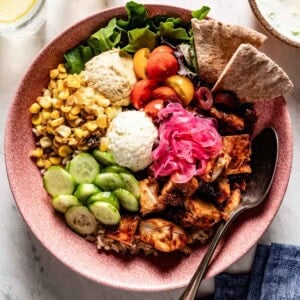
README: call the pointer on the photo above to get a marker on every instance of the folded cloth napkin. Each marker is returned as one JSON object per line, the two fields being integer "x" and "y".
{"x": 275, "y": 275}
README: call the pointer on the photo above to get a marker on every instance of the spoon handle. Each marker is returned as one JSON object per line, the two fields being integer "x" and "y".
{"x": 192, "y": 288}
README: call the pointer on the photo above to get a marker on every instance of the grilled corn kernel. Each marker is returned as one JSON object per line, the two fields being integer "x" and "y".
{"x": 73, "y": 142}
{"x": 45, "y": 115}
{"x": 102, "y": 121}
{"x": 36, "y": 119}
{"x": 63, "y": 130}
{"x": 66, "y": 109}
{"x": 75, "y": 110}
{"x": 55, "y": 114}
{"x": 54, "y": 73}
{"x": 49, "y": 129}
{"x": 103, "y": 102}
{"x": 76, "y": 123}
{"x": 70, "y": 116}
{"x": 61, "y": 68}
{"x": 109, "y": 113}
{"x": 52, "y": 85}
{"x": 64, "y": 151}
{"x": 47, "y": 164}
{"x": 40, "y": 163}
{"x": 78, "y": 132}
{"x": 45, "y": 142}
{"x": 60, "y": 85}
{"x": 72, "y": 82}
{"x": 91, "y": 126}
{"x": 55, "y": 160}
{"x": 64, "y": 94}
{"x": 37, "y": 152}
{"x": 35, "y": 108}
{"x": 55, "y": 93}
{"x": 61, "y": 140}
{"x": 85, "y": 133}
{"x": 57, "y": 103}
{"x": 46, "y": 92}
{"x": 57, "y": 122}
{"x": 45, "y": 102}
{"x": 103, "y": 143}
{"x": 62, "y": 75}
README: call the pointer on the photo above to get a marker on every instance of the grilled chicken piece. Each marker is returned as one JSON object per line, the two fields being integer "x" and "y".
{"x": 224, "y": 189}
{"x": 149, "y": 200}
{"x": 126, "y": 231}
{"x": 200, "y": 214}
{"x": 232, "y": 203}
{"x": 231, "y": 120}
{"x": 234, "y": 158}
{"x": 238, "y": 147}
{"x": 175, "y": 194}
{"x": 163, "y": 235}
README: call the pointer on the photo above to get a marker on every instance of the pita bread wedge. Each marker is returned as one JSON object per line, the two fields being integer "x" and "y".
{"x": 215, "y": 43}
{"x": 252, "y": 75}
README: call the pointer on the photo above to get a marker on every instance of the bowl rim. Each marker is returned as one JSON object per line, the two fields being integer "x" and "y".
{"x": 119, "y": 285}
{"x": 262, "y": 20}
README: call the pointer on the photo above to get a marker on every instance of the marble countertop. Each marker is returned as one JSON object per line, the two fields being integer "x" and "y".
{"x": 27, "y": 270}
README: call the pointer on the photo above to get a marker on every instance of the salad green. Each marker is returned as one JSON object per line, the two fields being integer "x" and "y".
{"x": 129, "y": 35}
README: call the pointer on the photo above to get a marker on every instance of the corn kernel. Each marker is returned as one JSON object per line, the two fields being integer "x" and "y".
{"x": 85, "y": 133}
{"x": 73, "y": 142}
{"x": 47, "y": 164}
{"x": 62, "y": 75}
{"x": 52, "y": 85}
{"x": 45, "y": 115}
{"x": 64, "y": 151}
{"x": 45, "y": 102}
{"x": 102, "y": 121}
{"x": 63, "y": 130}
{"x": 75, "y": 110}
{"x": 103, "y": 102}
{"x": 71, "y": 82}
{"x": 78, "y": 132}
{"x": 61, "y": 68}
{"x": 55, "y": 114}
{"x": 66, "y": 109}
{"x": 109, "y": 113}
{"x": 35, "y": 108}
{"x": 60, "y": 85}
{"x": 55, "y": 160}
{"x": 46, "y": 92}
{"x": 37, "y": 152}
{"x": 49, "y": 129}
{"x": 64, "y": 94}
{"x": 36, "y": 119}
{"x": 45, "y": 142}
{"x": 76, "y": 123}
{"x": 57, "y": 103}
{"x": 70, "y": 116}
{"x": 57, "y": 122}
{"x": 60, "y": 140}
{"x": 55, "y": 93}
{"x": 103, "y": 143}
{"x": 40, "y": 163}
{"x": 54, "y": 73}
{"x": 91, "y": 126}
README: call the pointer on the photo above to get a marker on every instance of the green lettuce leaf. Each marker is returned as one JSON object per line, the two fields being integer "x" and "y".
{"x": 137, "y": 16}
{"x": 139, "y": 38}
{"x": 74, "y": 62}
{"x": 169, "y": 29}
{"x": 201, "y": 13}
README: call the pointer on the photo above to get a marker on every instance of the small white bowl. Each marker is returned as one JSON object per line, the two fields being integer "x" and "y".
{"x": 269, "y": 27}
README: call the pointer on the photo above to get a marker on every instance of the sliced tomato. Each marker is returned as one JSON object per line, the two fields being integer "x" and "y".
{"x": 162, "y": 48}
{"x": 163, "y": 92}
{"x": 153, "y": 107}
{"x": 141, "y": 92}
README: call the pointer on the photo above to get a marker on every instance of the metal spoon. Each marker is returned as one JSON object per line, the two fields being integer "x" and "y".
{"x": 263, "y": 161}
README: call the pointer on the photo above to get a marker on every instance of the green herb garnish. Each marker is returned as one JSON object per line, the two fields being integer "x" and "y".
{"x": 201, "y": 13}
{"x": 295, "y": 32}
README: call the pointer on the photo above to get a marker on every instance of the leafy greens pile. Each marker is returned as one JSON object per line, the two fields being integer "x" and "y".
{"x": 136, "y": 32}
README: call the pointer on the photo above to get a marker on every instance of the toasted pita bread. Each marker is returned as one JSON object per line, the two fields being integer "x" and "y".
{"x": 252, "y": 75}
{"x": 215, "y": 43}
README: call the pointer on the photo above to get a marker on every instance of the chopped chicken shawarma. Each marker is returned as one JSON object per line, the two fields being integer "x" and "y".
{"x": 163, "y": 235}
{"x": 232, "y": 203}
{"x": 149, "y": 200}
{"x": 126, "y": 230}
{"x": 231, "y": 120}
{"x": 234, "y": 158}
{"x": 174, "y": 194}
{"x": 224, "y": 189}
{"x": 200, "y": 214}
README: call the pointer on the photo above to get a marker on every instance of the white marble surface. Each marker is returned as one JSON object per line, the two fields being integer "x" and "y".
{"x": 27, "y": 270}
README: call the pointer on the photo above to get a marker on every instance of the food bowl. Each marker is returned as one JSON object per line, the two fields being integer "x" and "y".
{"x": 138, "y": 273}
{"x": 266, "y": 19}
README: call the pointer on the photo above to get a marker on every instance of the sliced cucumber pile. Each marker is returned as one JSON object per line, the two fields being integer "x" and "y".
{"x": 85, "y": 195}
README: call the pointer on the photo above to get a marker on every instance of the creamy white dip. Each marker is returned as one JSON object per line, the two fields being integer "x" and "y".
{"x": 283, "y": 15}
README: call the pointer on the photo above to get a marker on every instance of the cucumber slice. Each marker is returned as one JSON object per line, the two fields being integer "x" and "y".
{"x": 104, "y": 158}
{"x": 83, "y": 167}
{"x": 105, "y": 212}
{"x": 67, "y": 166}
{"x": 57, "y": 181}
{"x": 127, "y": 199}
{"x": 108, "y": 197}
{"x": 115, "y": 169}
{"x": 85, "y": 190}
{"x": 131, "y": 184}
{"x": 81, "y": 220}
{"x": 109, "y": 181}
{"x": 62, "y": 203}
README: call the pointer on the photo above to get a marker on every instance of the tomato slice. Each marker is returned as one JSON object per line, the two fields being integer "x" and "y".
{"x": 141, "y": 92}
{"x": 162, "y": 48}
{"x": 153, "y": 107}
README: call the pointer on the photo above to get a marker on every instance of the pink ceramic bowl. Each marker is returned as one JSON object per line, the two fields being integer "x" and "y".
{"x": 139, "y": 273}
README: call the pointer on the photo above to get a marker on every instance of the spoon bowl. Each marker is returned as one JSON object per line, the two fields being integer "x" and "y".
{"x": 263, "y": 160}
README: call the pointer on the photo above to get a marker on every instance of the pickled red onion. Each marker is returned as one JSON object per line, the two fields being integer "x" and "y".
{"x": 186, "y": 143}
